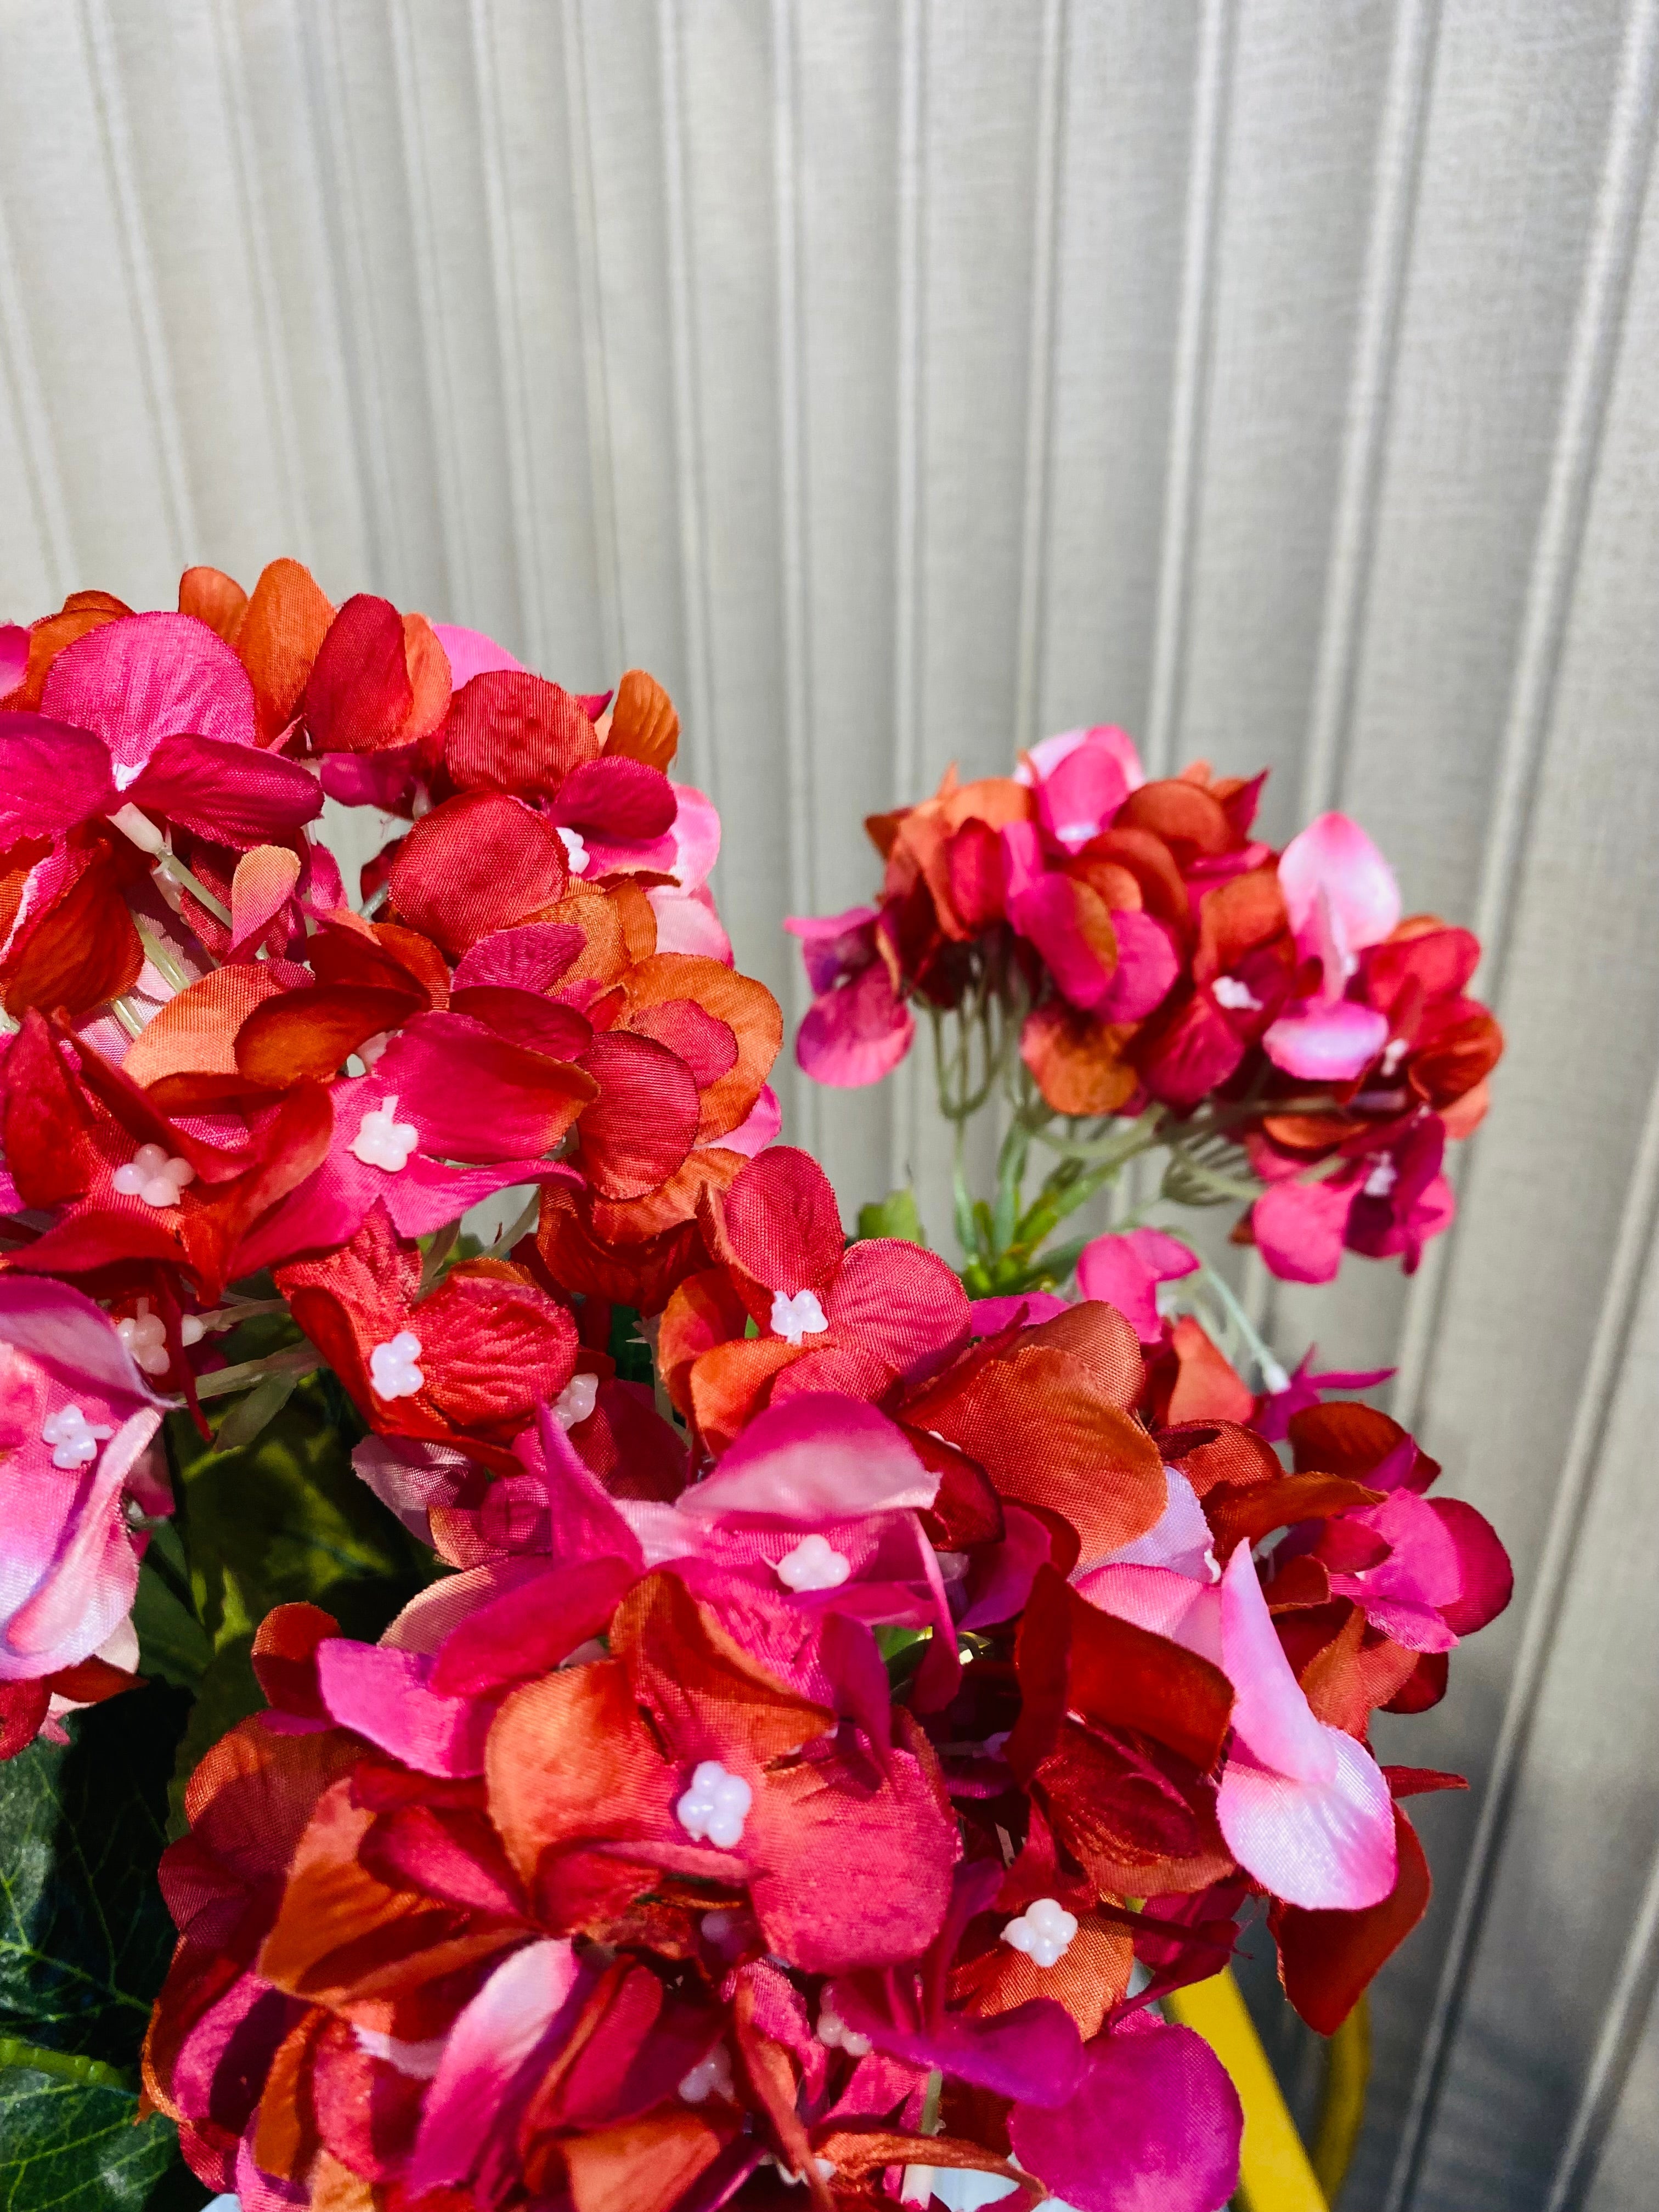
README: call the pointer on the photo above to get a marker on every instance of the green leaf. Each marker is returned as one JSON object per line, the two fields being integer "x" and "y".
{"x": 629, "y": 1348}
{"x": 249, "y": 1415}
{"x": 85, "y": 1939}
{"x": 286, "y": 1517}
{"x": 896, "y": 1215}
{"x": 75, "y": 2145}
{"x": 172, "y": 1642}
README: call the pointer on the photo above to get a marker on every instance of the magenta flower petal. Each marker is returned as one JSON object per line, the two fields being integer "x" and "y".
{"x": 1271, "y": 1715}
{"x": 1110, "y": 1270}
{"x": 1326, "y": 1045}
{"x": 696, "y": 835}
{"x": 145, "y": 677}
{"x": 1032, "y": 2052}
{"x": 689, "y": 921}
{"x": 1029, "y": 1307}
{"x": 814, "y": 1458}
{"x": 383, "y": 1695}
{"x": 1078, "y": 798}
{"x": 51, "y": 777}
{"x": 1154, "y": 2126}
{"x": 857, "y": 1034}
{"x": 1147, "y": 965}
{"x": 235, "y": 794}
{"x": 14, "y": 656}
{"x": 470, "y": 653}
{"x": 521, "y": 2007}
{"x": 1298, "y": 1230}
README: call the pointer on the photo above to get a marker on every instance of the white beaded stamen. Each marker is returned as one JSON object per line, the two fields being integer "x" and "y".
{"x": 74, "y": 1439}
{"x": 813, "y": 1565}
{"x": 792, "y": 1318}
{"x": 576, "y": 1401}
{"x": 391, "y": 1368}
{"x": 153, "y": 1174}
{"x": 575, "y": 850}
{"x": 1043, "y": 1931}
{"x": 145, "y": 1336}
{"x": 715, "y": 1806}
{"x": 833, "y": 2033}
{"x": 712, "y": 2073}
{"x": 383, "y": 1141}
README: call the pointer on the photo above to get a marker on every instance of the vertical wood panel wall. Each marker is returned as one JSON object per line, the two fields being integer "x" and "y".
{"x": 901, "y": 380}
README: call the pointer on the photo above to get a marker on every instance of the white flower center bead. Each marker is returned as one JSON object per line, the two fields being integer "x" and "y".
{"x": 715, "y": 1806}
{"x": 795, "y": 1317}
{"x": 1233, "y": 993}
{"x": 73, "y": 1437}
{"x": 145, "y": 1336}
{"x": 391, "y": 1368}
{"x": 833, "y": 2033}
{"x": 154, "y": 1176}
{"x": 813, "y": 1565}
{"x": 576, "y": 1401}
{"x": 1043, "y": 1931}
{"x": 711, "y": 2074}
{"x": 1393, "y": 1056}
{"x": 383, "y": 1141}
{"x": 575, "y": 852}
{"x": 1382, "y": 1179}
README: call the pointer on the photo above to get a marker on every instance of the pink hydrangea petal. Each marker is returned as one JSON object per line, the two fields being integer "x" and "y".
{"x": 1154, "y": 1598}
{"x": 1147, "y": 965}
{"x": 89, "y": 1582}
{"x": 1028, "y": 1306}
{"x": 834, "y": 947}
{"x": 1079, "y": 795}
{"x": 696, "y": 835}
{"x": 1298, "y": 1230}
{"x": 757, "y": 1129}
{"x": 383, "y": 1695}
{"x": 1326, "y": 1045}
{"x": 1154, "y": 2126}
{"x": 1327, "y": 1845}
{"x": 523, "y": 2004}
{"x": 856, "y": 1035}
{"x": 814, "y": 1458}
{"x": 1045, "y": 913}
{"x": 51, "y": 777}
{"x": 1485, "y": 1579}
{"x": 688, "y": 921}
{"x": 1046, "y": 755}
{"x": 14, "y": 656}
{"x": 1110, "y": 1270}
{"x": 1334, "y": 854}
{"x": 1271, "y": 1715}
{"x": 1179, "y": 1539}
{"x": 235, "y": 794}
{"x": 144, "y": 677}
{"x": 61, "y": 1329}
{"x": 470, "y": 653}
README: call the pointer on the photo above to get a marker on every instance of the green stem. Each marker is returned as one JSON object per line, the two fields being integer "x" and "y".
{"x": 298, "y": 1360}
{"x": 1273, "y": 1377}
{"x": 65, "y": 2066}
{"x": 169, "y": 864}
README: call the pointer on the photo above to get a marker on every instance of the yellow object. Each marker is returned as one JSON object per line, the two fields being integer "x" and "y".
{"x": 1275, "y": 2173}
{"x": 1342, "y": 2108}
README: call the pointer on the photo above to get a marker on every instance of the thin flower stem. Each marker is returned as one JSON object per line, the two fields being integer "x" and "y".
{"x": 169, "y": 864}
{"x": 298, "y": 1360}
{"x": 1273, "y": 1377}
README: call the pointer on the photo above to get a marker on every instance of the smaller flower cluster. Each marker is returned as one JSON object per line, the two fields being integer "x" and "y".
{"x": 1151, "y": 960}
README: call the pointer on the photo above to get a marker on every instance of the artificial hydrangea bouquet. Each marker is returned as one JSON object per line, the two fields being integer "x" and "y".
{"x": 669, "y": 1707}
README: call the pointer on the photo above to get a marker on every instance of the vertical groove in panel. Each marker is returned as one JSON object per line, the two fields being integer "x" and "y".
{"x": 687, "y": 412}
{"x": 597, "y": 386}
{"x": 905, "y": 1084}
{"x": 35, "y": 437}
{"x": 139, "y": 270}
{"x": 1622, "y": 2028}
{"x": 797, "y": 638}
{"x": 342, "y": 199}
{"x": 1347, "y": 576}
{"x": 460, "y": 579}
{"x": 510, "y": 338}
{"x": 1590, "y": 360}
{"x": 256, "y": 236}
{"x": 1040, "y": 369}
{"x": 1213, "y": 71}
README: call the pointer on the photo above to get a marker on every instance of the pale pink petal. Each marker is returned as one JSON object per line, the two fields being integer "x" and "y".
{"x": 816, "y": 1457}
{"x": 1334, "y": 854}
{"x": 526, "y": 2000}
{"x": 470, "y": 653}
{"x": 834, "y": 947}
{"x": 91, "y": 1577}
{"x": 1327, "y": 1043}
{"x": 66, "y": 1333}
{"x": 1327, "y": 1845}
{"x": 1298, "y": 1230}
{"x": 1272, "y": 1716}
{"x": 1111, "y": 1271}
{"x": 689, "y": 921}
{"x": 1155, "y": 1598}
{"x": 1180, "y": 1539}
{"x": 144, "y": 677}
{"x": 696, "y": 835}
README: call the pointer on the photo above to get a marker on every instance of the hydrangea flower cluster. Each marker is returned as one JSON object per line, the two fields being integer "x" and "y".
{"x": 1130, "y": 962}
{"x": 805, "y": 1770}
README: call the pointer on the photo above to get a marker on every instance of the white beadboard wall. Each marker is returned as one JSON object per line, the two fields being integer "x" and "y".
{"x": 901, "y": 380}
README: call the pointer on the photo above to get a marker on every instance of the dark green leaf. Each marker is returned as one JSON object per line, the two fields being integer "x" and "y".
{"x": 74, "y": 2147}
{"x": 285, "y": 1516}
{"x": 896, "y": 1215}
{"x": 84, "y": 1935}
{"x": 172, "y": 1642}
{"x": 629, "y": 1348}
